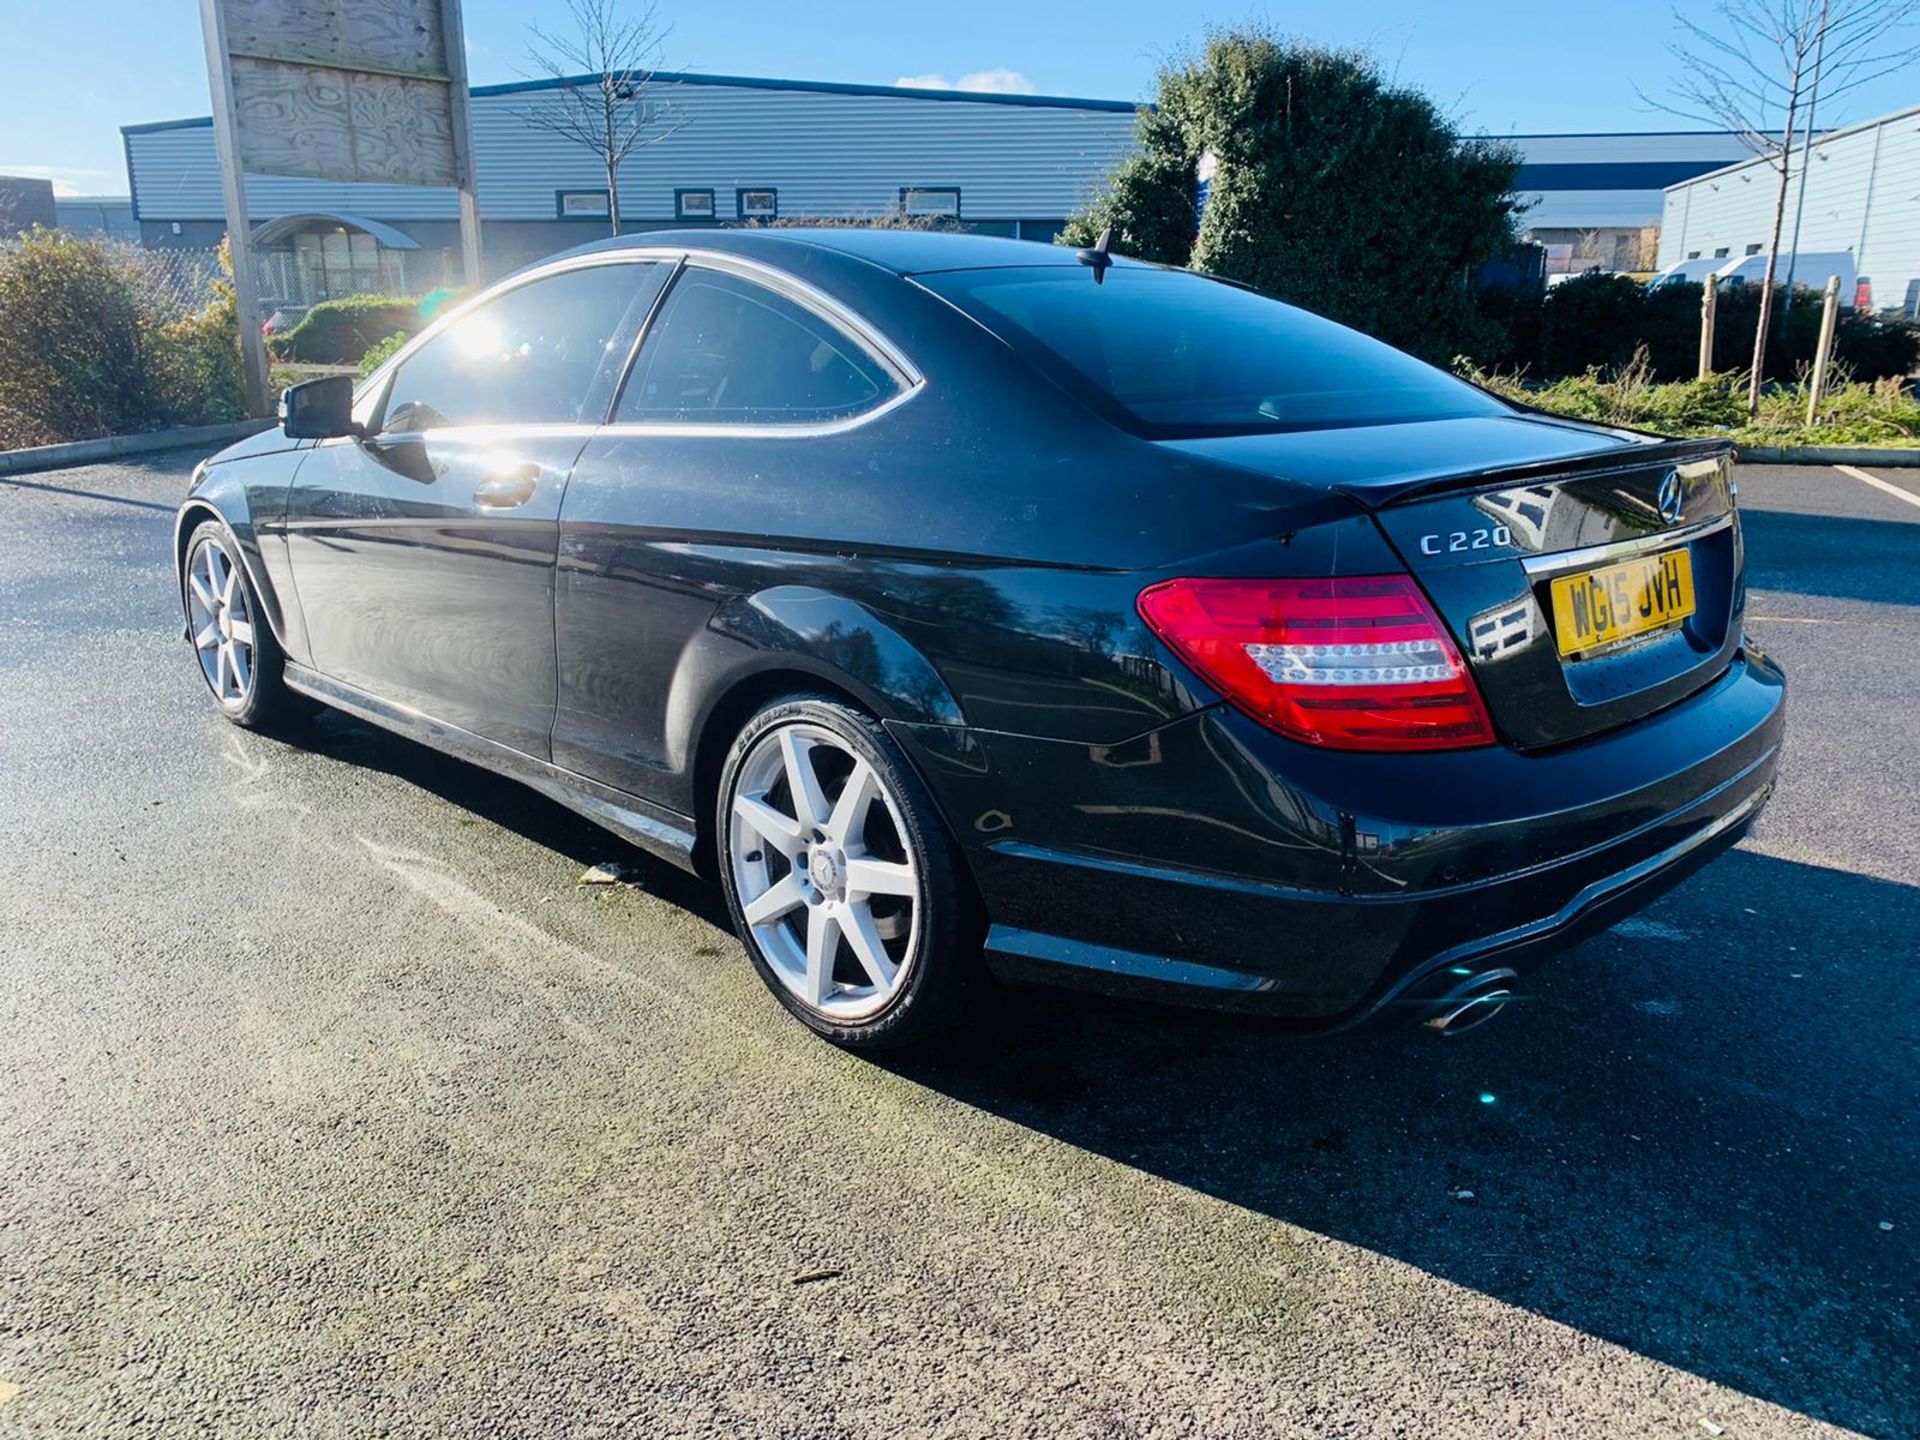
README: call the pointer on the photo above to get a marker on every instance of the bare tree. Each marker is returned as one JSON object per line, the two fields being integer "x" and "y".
{"x": 603, "y": 73}
{"x": 1759, "y": 67}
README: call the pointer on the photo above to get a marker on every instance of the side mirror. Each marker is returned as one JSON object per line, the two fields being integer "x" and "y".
{"x": 319, "y": 409}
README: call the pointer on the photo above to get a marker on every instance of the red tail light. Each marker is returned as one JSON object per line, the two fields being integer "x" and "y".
{"x": 1358, "y": 663}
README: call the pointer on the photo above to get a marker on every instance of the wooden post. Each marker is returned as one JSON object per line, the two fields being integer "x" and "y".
{"x": 233, "y": 187}
{"x": 1822, "y": 356}
{"x": 1709, "y": 289}
{"x": 461, "y": 108}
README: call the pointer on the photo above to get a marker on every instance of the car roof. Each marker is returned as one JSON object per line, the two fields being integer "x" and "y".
{"x": 904, "y": 252}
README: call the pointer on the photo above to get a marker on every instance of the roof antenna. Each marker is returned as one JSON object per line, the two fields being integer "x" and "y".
{"x": 1097, "y": 259}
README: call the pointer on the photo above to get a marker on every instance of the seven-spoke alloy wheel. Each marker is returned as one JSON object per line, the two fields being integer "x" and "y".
{"x": 220, "y": 621}
{"x": 238, "y": 655}
{"x": 842, "y": 887}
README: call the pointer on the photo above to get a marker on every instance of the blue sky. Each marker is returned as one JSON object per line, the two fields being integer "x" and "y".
{"x": 71, "y": 73}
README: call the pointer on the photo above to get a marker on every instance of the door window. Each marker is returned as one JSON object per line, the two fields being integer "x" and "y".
{"x": 547, "y": 352}
{"x": 725, "y": 350}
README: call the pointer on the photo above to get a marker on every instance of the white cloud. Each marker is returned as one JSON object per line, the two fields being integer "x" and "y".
{"x": 70, "y": 179}
{"x": 999, "y": 81}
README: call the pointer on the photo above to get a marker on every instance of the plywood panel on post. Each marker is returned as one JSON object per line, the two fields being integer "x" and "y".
{"x": 346, "y": 90}
{"x": 402, "y": 37}
{"x": 344, "y": 124}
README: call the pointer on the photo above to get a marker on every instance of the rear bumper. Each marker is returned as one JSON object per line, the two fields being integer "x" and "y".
{"x": 1213, "y": 863}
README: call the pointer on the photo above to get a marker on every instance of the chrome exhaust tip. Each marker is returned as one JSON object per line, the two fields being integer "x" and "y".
{"x": 1472, "y": 1002}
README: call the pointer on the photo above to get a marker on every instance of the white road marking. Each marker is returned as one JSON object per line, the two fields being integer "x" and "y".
{"x": 1879, "y": 484}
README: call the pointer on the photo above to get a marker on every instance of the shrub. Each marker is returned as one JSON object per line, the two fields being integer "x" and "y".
{"x": 379, "y": 354}
{"x": 1602, "y": 321}
{"x": 892, "y": 219}
{"x": 87, "y": 349}
{"x": 70, "y": 351}
{"x": 195, "y": 375}
{"x": 1882, "y": 412}
{"x": 339, "y": 332}
{"x": 1333, "y": 189}
{"x": 1509, "y": 338}
{"x": 1590, "y": 321}
{"x": 1670, "y": 330}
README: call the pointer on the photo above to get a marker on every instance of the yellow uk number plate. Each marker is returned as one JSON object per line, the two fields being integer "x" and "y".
{"x": 1617, "y": 602}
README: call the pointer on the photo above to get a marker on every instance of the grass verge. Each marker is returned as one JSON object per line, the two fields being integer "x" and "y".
{"x": 1884, "y": 412}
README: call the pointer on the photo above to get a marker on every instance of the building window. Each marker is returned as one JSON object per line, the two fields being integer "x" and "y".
{"x": 1693, "y": 254}
{"x": 1753, "y": 249}
{"x": 1721, "y": 253}
{"x": 582, "y": 205}
{"x": 693, "y": 204}
{"x": 756, "y": 204}
{"x": 938, "y": 201}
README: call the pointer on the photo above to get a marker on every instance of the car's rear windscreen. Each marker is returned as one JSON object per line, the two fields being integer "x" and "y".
{"x": 1171, "y": 354}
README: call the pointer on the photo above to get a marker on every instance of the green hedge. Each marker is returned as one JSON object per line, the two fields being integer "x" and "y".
{"x": 378, "y": 355}
{"x": 1599, "y": 322}
{"x": 339, "y": 332}
{"x": 84, "y": 351}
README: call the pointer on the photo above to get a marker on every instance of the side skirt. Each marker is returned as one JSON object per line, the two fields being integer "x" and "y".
{"x": 657, "y": 831}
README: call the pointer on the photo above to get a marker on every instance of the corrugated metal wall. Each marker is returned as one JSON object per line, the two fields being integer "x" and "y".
{"x": 1612, "y": 180}
{"x": 1863, "y": 195}
{"x": 826, "y": 152}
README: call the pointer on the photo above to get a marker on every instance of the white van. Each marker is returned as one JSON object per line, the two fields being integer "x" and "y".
{"x": 1694, "y": 271}
{"x": 1810, "y": 268}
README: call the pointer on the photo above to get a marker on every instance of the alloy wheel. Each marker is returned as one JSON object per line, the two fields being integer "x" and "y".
{"x": 220, "y": 621}
{"x": 824, "y": 871}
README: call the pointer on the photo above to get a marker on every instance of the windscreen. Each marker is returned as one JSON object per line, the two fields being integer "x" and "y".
{"x": 1170, "y": 354}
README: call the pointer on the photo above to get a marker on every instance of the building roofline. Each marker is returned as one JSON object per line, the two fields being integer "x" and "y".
{"x": 1822, "y": 137}
{"x": 830, "y": 87}
{"x": 753, "y": 82}
{"x": 198, "y": 122}
{"x": 1597, "y": 134}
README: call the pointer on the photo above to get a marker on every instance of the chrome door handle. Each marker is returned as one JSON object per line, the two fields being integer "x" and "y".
{"x": 507, "y": 489}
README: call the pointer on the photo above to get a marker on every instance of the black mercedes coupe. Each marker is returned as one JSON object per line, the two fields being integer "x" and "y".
{"x": 964, "y": 605}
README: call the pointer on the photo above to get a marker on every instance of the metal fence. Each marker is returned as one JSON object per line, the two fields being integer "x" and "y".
{"x": 177, "y": 282}
{"x": 172, "y": 283}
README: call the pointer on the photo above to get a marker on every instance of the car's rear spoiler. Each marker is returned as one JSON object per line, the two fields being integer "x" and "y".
{"x": 1652, "y": 450}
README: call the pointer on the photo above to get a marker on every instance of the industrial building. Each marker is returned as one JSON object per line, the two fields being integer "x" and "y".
{"x": 734, "y": 150}
{"x": 739, "y": 149}
{"x": 1594, "y": 201}
{"x": 107, "y": 215}
{"x": 1862, "y": 196}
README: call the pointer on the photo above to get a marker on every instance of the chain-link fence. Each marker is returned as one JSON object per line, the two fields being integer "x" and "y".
{"x": 177, "y": 282}
{"x": 168, "y": 284}
{"x": 171, "y": 283}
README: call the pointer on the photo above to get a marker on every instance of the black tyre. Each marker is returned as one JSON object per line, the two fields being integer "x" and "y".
{"x": 238, "y": 656}
{"x": 844, "y": 888}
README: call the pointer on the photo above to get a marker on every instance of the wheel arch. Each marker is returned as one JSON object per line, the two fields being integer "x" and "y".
{"x": 201, "y": 507}
{"x": 729, "y": 714}
{"x": 783, "y": 640}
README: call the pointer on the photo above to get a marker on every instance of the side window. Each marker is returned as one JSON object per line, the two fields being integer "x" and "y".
{"x": 547, "y": 352}
{"x": 726, "y": 350}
